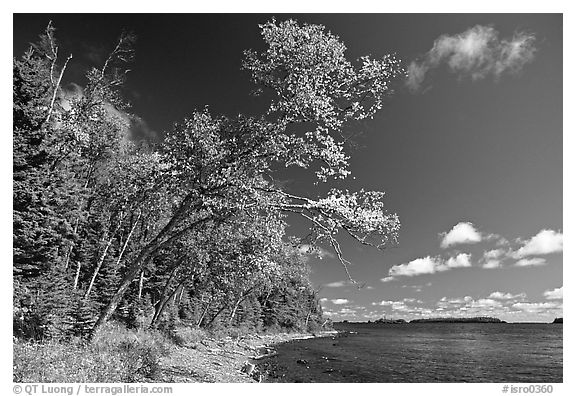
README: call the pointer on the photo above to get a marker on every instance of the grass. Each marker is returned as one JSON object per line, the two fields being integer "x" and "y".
{"x": 116, "y": 354}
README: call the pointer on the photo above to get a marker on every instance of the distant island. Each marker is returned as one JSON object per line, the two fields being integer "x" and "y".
{"x": 478, "y": 319}
{"x": 558, "y": 320}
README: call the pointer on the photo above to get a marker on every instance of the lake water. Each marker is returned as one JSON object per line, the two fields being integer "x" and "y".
{"x": 424, "y": 352}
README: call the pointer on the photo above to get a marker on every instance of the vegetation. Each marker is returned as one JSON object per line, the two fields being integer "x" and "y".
{"x": 189, "y": 230}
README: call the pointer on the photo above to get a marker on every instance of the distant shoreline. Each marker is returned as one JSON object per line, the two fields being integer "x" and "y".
{"x": 446, "y": 320}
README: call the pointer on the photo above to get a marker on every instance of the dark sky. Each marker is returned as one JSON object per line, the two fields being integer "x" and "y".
{"x": 477, "y": 143}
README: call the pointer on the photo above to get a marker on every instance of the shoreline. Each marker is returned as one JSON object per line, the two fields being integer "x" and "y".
{"x": 226, "y": 360}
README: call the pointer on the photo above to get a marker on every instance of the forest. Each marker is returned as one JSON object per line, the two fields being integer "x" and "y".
{"x": 190, "y": 229}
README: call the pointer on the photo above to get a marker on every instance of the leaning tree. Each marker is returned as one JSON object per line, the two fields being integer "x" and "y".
{"x": 216, "y": 168}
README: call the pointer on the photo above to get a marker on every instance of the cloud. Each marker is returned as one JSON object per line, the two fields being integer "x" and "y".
{"x": 492, "y": 264}
{"x": 494, "y": 254}
{"x": 324, "y": 299}
{"x": 537, "y": 307}
{"x": 462, "y": 232}
{"x": 476, "y": 53}
{"x": 340, "y": 301}
{"x": 315, "y": 251}
{"x": 337, "y": 284}
{"x": 486, "y": 303}
{"x": 427, "y": 265}
{"x": 545, "y": 242}
{"x": 419, "y": 266}
{"x": 556, "y": 294}
{"x": 396, "y": 305}
{"x": 506, "y": 296}
{"x": 532, "y": 262}
{"x": 461, "y": 260}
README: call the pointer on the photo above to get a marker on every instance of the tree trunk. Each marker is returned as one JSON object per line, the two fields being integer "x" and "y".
{"x": 163, "y": 304}
{"x": 128, "y": 239}
{"x": 98, "y": 266}
{"x": 234, "y": 311}
{"x": 69, "y": 253}
{"x": 163, "y": 297}
{"x": 140, "y": 285}
{"x": 217, "y": 314}
{"x": 203, "y": 314}
{"x": 77, "y": 276}
{"x": 143, "y": 258}
{"x": 243, "y": 296}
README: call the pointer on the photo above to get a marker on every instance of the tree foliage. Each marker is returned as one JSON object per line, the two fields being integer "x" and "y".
{"x": 192, "y": 228}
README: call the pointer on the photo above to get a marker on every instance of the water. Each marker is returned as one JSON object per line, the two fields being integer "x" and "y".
{"x": 424, "y": 352}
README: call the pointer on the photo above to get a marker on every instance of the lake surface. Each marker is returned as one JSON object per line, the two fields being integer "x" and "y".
{"x": 423, "y": 352}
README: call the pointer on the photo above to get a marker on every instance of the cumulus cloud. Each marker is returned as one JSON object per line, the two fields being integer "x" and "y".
{"x": 556, "y": 294}
{"x": 315, "y": 251}
{"x": 486, "y": 303}
{"x": 537, "y": 307}
{"x": 427, "y": 265}
{"x": 337, "y": 284}
{"x": 419, "y": 266}
{"x": 492, "y": 264}
{"x": 476, "y": 53}
{"x": 462, "y": 232}
{"x": 497, "y": 295}
{"x": 340, "y": 301}
{"x": 531, "y": 262}
{"x": 461, "y": 260}
{"x": 545, "y": 242}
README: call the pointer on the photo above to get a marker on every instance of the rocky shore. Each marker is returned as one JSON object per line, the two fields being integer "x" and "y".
{"x": 227, "y": 360}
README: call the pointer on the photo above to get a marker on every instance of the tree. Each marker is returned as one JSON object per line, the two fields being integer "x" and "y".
{"x": 216, "y": 168}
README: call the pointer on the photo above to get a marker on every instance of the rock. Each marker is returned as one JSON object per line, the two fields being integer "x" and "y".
{"x": 302, "y": 361}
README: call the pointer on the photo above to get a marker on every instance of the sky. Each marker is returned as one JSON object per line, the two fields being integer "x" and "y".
{"x": 468, "y": 149}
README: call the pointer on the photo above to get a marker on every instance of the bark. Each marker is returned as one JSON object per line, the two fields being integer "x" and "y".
{"x": 162, "y": 306}
{"x": 145, "y": 256}
{"x": 98, "y": 266}
{"x": 140, "y": 285}
{"x": 163, "y": 296}
{"x": 237, "y": 305}
{"x": 203, "y": 314}
{"x": 77, "y": 276}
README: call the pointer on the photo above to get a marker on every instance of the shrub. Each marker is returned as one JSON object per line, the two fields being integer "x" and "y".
{"x": 189, "y": 336}
{"x": 115, "y": 355}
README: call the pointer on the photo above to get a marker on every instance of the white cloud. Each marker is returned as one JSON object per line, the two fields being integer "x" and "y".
{"x": 492, "y": 264}
{"x": 556, "y": 294}
{"x": 461, "y": 260}
{"x": 315, "y": 251}
{"x": 323, "y": 299}
{"x": 497, "y": 295}
{"x": 537, "y": 307}
{"x": 477, "y": 53}
{"x": 531, "y": 262}
{"x": 486, "y": 303}
{"x": 494, "y": 254}
{"x": 419, "y": 266}
{"x": 337, "y": 284}
{"x": 427, "y": 265}
{"x": 340, "y": 301}
{"x": 491, "y": 258}
{"x": 545, "y": 242}
{"x": 462, "y": 232}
